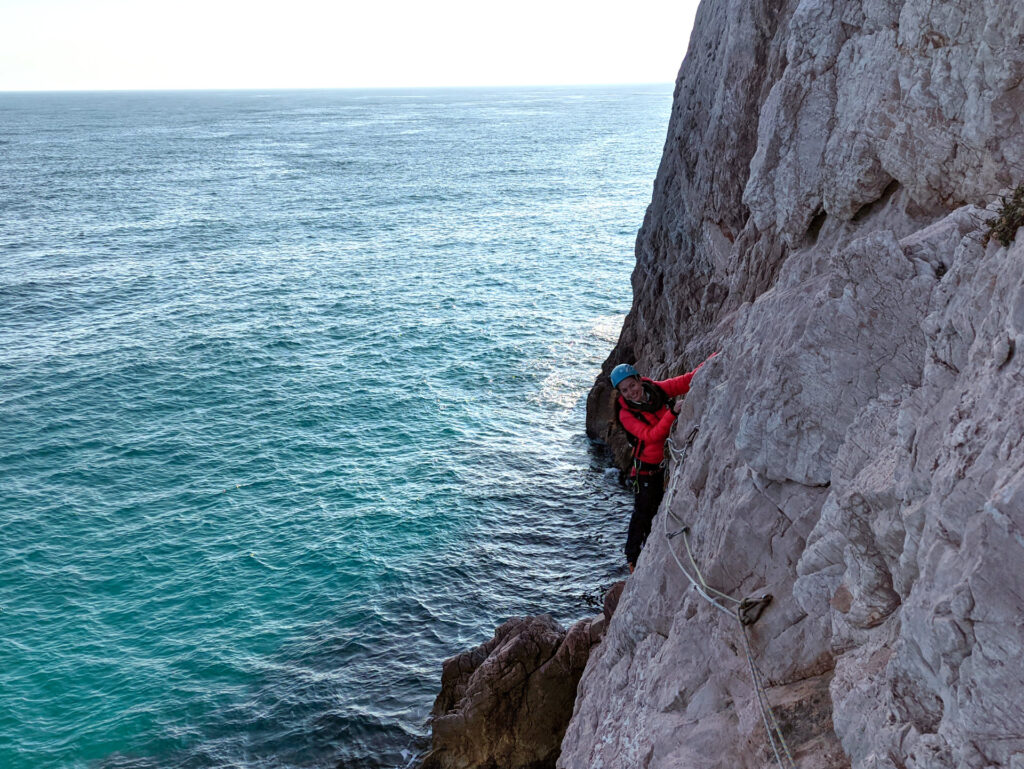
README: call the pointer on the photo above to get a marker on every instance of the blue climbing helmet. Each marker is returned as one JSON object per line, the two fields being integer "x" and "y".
{"x": 623, "y": 371}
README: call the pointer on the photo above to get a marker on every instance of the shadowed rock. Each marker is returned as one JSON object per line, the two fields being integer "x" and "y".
{"x": 507, "y": 702}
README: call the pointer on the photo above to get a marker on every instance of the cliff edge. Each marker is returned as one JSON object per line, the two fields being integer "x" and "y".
{"x": 820, "y": 216}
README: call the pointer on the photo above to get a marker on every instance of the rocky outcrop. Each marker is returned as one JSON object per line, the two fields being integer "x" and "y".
{"x": 858, "y": 447}
{"x": 507, "y": 702}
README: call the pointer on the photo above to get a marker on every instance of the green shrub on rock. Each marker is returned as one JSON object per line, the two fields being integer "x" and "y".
{"x": 1009, "y": 218}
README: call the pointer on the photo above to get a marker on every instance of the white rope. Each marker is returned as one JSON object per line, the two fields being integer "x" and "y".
{"x": 686, "y": 541}
{"x": 708, "y": 593}
{"x": 766, "y": 708}
{"x": 763, "y": 704}
{"x": 699, "y": 588}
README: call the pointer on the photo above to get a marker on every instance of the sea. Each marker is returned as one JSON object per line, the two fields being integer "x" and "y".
{"x": 292, "y": 397}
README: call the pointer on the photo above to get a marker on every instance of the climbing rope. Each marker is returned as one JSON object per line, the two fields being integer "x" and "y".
{"x": 745, "y": 611}
{"x": 679, "y": 454}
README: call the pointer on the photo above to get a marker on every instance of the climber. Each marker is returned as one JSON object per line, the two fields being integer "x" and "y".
{"x": 646, "y": 410}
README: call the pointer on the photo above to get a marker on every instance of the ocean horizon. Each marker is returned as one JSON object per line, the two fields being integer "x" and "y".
{"x": 384, "y": 90}
{"x": 293, "y": 403}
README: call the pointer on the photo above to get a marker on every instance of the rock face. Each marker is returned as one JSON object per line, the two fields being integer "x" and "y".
{"x": 507, "y": 703}
{"x": 819, "y": 217}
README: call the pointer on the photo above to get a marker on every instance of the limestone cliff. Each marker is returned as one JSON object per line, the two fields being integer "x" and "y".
{"x": 819, "y": 217}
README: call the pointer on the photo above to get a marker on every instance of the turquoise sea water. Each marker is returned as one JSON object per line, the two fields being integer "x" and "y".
{"x": 291, "y": 406}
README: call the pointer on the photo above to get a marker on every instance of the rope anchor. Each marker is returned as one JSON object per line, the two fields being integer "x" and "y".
{"x": 747, "y": 611}
{"x": 674, "y": 534}
{"x": 751, "y": 609}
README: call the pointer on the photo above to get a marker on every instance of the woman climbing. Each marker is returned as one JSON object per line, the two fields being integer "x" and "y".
{"x": 646, "y": 410}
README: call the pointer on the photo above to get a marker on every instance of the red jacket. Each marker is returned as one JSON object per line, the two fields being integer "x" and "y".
{"x": 651, "y": 429}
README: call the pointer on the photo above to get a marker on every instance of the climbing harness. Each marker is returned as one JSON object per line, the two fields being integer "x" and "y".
{"x": 745, "y": 611}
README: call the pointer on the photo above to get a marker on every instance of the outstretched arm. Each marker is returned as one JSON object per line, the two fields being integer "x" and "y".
{"x": 680, "y": 385}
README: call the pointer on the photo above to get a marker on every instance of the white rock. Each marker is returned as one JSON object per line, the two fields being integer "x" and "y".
{"x": 860, "y": 450}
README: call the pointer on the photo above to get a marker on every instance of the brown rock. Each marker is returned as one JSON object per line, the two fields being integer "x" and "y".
{"x": 507, "y": 702}
{"x": 842, "y": 599}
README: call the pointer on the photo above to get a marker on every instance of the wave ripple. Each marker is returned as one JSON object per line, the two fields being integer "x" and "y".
{"x": 292, "y": 407}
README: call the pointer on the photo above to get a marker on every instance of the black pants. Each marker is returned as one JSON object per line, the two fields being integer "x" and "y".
{"x": 649, "y": 490}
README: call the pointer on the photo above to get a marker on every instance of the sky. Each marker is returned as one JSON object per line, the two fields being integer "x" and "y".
{"x": 152, "y": 44}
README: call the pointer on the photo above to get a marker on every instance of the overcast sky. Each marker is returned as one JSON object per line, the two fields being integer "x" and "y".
{"x": 116, "y": 44}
